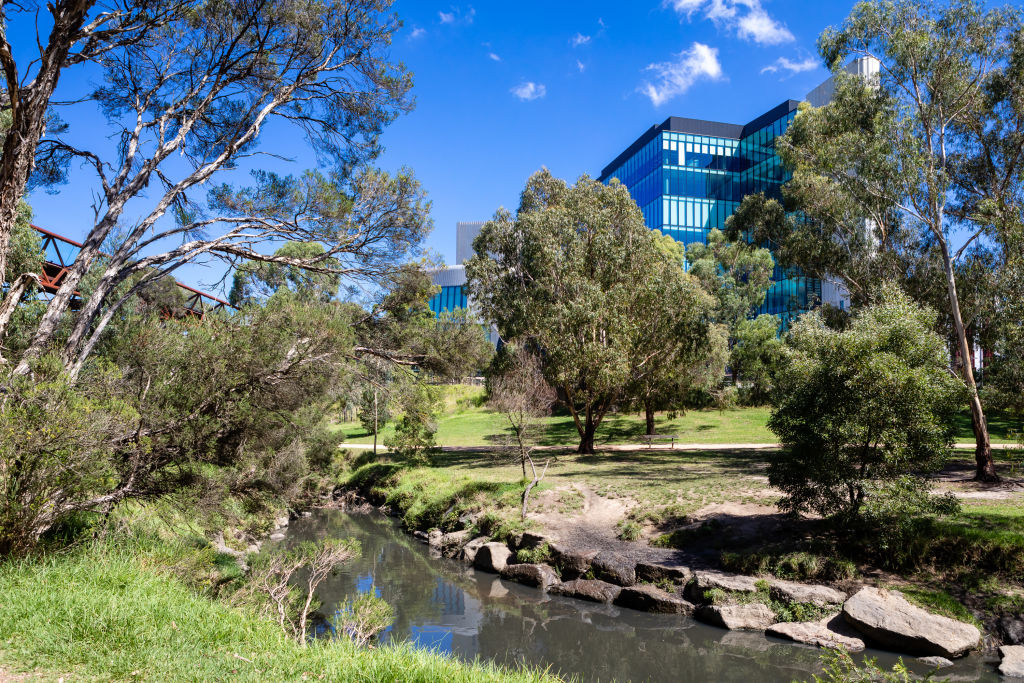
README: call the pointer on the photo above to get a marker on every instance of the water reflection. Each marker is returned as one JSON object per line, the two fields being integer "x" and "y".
{"x": 443, "y": 605}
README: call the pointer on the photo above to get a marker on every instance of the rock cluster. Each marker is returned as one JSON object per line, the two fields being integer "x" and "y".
{"x": 871, "y": 617}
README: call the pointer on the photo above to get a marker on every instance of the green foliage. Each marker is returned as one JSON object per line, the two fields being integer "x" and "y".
{"x": 567, "y": 276}
{"x": 413, "y": 439}
{"x": 797, "y": 566}
{"x": 538, "y": 555}
{"x": 736, "y": 274}
{"x": 756, "y": 357}
{"x": 840, "y": 667}
{"x": 630, "y": 530}
{"x": 363, "y": 618}
{"x": 255, "y": 281}
{"x": 859, "y": 409}
{"x": 939, "y": 602}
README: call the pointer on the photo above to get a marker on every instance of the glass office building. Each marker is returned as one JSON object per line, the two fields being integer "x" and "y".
{"x": 688, "y": 176}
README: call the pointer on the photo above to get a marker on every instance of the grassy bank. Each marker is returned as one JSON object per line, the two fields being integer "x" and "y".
{"x": 134, "y": 611}
{"x": 465, "y": 420}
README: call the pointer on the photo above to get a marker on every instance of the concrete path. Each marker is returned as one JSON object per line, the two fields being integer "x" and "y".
{"x": 656, "y": 447}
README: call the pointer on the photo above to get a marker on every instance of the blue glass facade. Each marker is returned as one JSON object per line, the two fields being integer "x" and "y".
{"x": 688, "y": 176}
{"x": 448, "y": 299}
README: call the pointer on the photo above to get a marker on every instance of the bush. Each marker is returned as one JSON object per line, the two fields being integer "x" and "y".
{"x": 857, "y": 410}
{"x": 413, "y": 439}
{"x": 629, "y": 531}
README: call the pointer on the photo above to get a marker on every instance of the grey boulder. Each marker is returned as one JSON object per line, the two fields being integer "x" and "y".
{"x": 711, "y": 580}
{"x": 650, "y": 598}
{"x": 470, "y": 550}
{"x": 593, "y": 590}
{"x": 888, "y": 619}
{"x": 452, "y": 543}
{"x": 492, "y": 557}
{"x": 750, "y": 617}
{"x": 539, "y": 575}
{"x": 573, "y": 563}
{"x": 613, "y": 567}
{"x": 1012, "y": 664}
{"x": 656, "y": 571}
{"x": 831, "y": 632}
{"x": 789, "y": 591}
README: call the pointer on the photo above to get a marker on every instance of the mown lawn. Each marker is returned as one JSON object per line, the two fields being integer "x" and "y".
{"x": 466, "y": 421}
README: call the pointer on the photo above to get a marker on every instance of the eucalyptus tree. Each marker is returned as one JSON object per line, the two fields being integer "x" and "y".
{"x": 80, "y": 31}
{"x": 889, "y": 173}
{"x": 576, "y": 275}
{"x": 195, "y": 99}
{"x": 736, "y": 273}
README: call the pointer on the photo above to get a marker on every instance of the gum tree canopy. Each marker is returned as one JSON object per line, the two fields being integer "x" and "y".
{"x": 900, "y": 175}
{"x": 576, "y": 275}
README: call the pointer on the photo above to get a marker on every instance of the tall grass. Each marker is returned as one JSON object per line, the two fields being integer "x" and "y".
{"x": 121, "y": 613}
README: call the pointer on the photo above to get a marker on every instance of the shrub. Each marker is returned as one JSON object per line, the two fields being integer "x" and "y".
{"x": 363, "y": 618}
{"x": 629, "y": 531}
{"x": 857, "y": 410}
{"x": 541, "y": 553}
{"x": 413, "y": 439}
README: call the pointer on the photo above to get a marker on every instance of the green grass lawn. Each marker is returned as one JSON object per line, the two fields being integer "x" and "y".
{"x": 466, "y": 421}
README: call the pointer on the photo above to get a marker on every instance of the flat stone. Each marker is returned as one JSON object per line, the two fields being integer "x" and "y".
{"x": 789, "y": 591}
{"x": 470, "y": 549}
{"x": 710, "y": 580}
{"x": 492, "y": 557}
{"x": 654, "y": 572}
{"x": 648, "y": 598}
{"x": 887, "y": 618}
{"x": 593, "y": 590}
{"x": 277, "y": 537}
{"x": 539, "y": 575}
{"x": 750, "y": 617}
{"x": 613, "y": 567}
{"x": 572, "y": 563}
{"x": 935, "y": 662}
{"x": 831, "y": 632}
{"x": 1012, "y": 663}
{"x": 452, "y": 543}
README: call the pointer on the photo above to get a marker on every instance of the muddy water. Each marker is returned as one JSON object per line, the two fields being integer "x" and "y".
{"x": 444, "y": 605}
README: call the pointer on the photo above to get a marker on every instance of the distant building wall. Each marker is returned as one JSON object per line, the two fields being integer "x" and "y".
{"x": 465, "y": 233}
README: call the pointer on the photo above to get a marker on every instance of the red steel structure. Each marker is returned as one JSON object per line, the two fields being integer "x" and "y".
{"x": 61, "y": 253}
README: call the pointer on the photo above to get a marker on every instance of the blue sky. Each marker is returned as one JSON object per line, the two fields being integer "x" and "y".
{"x": 504, "y": 88}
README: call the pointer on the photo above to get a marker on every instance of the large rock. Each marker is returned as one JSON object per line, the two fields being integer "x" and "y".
{"x": 935, "y": 662}
{"x": 470, "y": 549}
{"x": 788, "y": 591}
{"x": 434, "y": 538}
{"x": 588, "y": 589}
{"x": 492, "y": 557}
{"x": 648, "y": 598}
{"x": 710, "y": 580}
{"x": 529, "y": 539}
{"x": 539, "y": 575}
{"x": 453, "y": 542}
{"x": 751, "y": 617}
{"x": 613, "y": 567}
{"x": 830, "y": 632}
{"x": 1012, "y": 663}
{"x": 1011, "y": 630}
{"x": 654, "y": 572}
{"x": 572, "y": 563}
{"x": 886, "y": 618}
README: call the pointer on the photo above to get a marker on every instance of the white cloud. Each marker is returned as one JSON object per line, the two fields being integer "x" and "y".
{"x": 457, "y": 16}
{"x": 757, "y": 26}
{"x": 418, "y": 32}
{"x": 784, "y": 64}
{"x": 579, "y": 39}
{"x": 529, "y": 91}
{"x": 747, "y": 18}
{"x": 581, "y": 66}
{"x": 494, "y": 57}
{"x": 675, "y": 78}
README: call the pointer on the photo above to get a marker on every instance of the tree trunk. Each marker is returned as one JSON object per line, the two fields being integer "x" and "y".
{"x": 586, "y": 446}
{"x": 28, "y": 107}
{"x": 536, "y": 480}
{"x": 985, "y": 466}
{"x": 649, "y": 414}
{"x": 375, "y": 426}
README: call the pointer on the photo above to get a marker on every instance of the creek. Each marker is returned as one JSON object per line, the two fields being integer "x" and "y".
{"x": 447, "y": 606}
